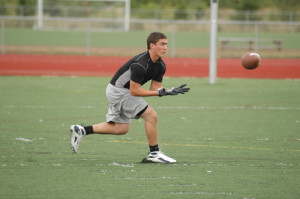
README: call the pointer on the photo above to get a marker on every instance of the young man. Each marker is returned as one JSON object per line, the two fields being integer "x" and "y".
{"x": 125, "y": 93}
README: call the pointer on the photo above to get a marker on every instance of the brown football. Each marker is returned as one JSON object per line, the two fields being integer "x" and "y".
{"x": 251, "y": 60}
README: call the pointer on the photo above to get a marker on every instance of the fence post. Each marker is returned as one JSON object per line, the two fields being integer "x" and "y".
{"x": 40, "y": 14}
{"x": 291, "y": 18}
{"x": 173, "y": 39}
{"x": 256, "y": 38}
{"x": 2, "y": 37}
{"x": 213, "y": 41}
{"x": 127, "y": 16}
{"x": 247, "y": 19}
{"x": 88, "y": 38}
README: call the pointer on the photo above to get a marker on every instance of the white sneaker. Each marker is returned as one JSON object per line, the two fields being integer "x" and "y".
{"x": 77, "y": 134}
{"x": 159, "y": 157}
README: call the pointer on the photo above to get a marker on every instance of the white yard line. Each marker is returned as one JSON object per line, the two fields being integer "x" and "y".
{"x": 158, "y": 107}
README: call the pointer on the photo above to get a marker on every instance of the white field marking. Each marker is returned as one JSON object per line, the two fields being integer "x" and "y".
{"x": 228, "y": 107}
{"x": 201, "y": 193}
{"x": 48, "y": 107}
{"x": 249, "y": 198}
{"x": 199, "y": 145}
{"x": 262, "y": 139}
{"x": 147, "y": 178}
{"x": 172, "y": 185}
{"x": 24, "y": 139}
{"x": 159, "y": 107}
{"x": 284, "y": 164}
{"x": 189, "y": 145}
{"x": 121, "y": 165}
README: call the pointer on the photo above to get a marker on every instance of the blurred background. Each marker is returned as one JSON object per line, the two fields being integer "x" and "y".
{"x": 120, "y": 27}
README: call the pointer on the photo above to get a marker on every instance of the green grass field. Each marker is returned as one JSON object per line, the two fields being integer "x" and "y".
{"x": 129, "y": 39}
{"x": 184, "y": 44}
{"x": 236, "y": 139}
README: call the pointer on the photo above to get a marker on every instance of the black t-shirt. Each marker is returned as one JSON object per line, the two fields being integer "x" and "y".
{"x": 139, "y": 69}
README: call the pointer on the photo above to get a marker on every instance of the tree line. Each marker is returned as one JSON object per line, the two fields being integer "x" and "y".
{"x": 278, "y": 5}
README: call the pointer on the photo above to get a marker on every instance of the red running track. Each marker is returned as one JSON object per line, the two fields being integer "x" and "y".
{"x": 67, "y": 65}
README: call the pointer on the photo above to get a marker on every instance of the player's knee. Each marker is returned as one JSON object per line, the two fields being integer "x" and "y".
{"x": 154, "y": 115}
{"x": 151, "y": 114}
{"x": 121, "y": 130}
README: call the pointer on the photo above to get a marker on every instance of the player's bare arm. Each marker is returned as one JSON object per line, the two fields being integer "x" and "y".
{"x": 155, "y": 90}
{"x": 137, "y": 90}
{"x": 155, "y": 85}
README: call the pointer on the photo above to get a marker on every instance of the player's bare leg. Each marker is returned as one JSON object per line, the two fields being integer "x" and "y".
{"x": 78, "y": 132}
{"x": 155, "y": 155}
{"x": 150, "y": 117}
{"x": 111, "y": 128}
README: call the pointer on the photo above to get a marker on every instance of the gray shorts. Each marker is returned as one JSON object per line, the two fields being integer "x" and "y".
{"x": 122, "y": 105}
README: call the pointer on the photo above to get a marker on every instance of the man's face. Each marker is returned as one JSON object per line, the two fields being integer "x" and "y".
{"x": 160, "y": 48}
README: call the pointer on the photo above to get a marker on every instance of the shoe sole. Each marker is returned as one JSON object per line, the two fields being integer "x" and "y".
{"x": 72, "y": 147}
{"x": 145, "y": 160}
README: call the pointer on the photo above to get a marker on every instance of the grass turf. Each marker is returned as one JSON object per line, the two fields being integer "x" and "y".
{"x": 29, "y": 37}
{"x": 236, "y": 139}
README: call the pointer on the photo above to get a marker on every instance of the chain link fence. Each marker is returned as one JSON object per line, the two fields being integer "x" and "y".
{"x": 116, "y": 10}
{"x": 70, "y": 30}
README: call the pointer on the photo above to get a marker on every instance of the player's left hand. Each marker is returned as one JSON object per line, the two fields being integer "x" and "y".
{"x": 181, "y": 89}
{"x": 173, "y": 91}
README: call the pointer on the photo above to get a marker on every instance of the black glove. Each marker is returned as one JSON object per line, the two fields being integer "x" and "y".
{"x": 173, "y": 91}
{"x": 180, "y": 89}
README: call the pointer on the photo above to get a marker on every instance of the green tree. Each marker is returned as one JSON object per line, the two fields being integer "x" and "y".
{"x": 290, "y": 5}
{"x": 242, "y": 4}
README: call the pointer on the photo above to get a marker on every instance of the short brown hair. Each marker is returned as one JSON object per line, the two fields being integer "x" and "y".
{"x": 154, "y": 37}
